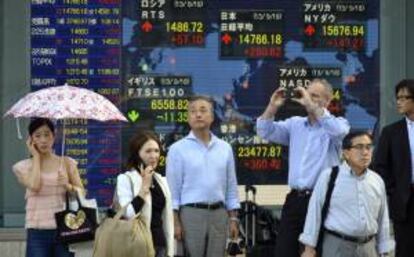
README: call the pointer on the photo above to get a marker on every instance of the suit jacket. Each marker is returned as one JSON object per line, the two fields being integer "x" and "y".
{"x": 393, "y": 162}
{"x": 125, "y": 194}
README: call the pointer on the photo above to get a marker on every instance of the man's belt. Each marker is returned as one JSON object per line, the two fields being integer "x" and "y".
{"x": 208, "y": 206}
{"x": 354, "y": 239}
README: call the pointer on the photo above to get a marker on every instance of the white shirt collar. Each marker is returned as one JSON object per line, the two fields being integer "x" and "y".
{"x": 410, "y": 123}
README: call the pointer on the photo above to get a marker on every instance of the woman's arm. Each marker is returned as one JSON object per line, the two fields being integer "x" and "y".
{"x": 74, "y": 180}
{"x": 30, "y": 176}
{"x": 125, "y": 195}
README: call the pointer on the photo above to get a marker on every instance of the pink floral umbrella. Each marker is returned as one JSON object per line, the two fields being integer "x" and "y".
{"x": 64, "y": 102}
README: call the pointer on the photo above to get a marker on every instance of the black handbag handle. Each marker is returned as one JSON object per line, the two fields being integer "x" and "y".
{"x": 67, "y": 168}
{"x": 76, "y": 197}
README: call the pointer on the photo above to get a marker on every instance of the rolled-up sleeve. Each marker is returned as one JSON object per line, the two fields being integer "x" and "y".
{"x": 174, "y": 174}
{"x": 336, "y": 127}
{"x": 232, "y": 195}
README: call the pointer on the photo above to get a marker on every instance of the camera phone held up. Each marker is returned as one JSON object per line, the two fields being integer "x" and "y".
{"x": 290, "y": 93}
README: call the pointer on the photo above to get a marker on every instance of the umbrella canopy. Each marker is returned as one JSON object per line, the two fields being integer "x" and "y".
{"x": 63, "y": 102}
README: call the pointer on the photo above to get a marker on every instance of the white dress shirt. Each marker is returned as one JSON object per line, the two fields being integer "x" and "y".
{"x": 410, "y": 130}
{"x": 358, "y": 208}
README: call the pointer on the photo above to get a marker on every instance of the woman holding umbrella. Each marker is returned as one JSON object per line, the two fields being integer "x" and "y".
{"x": 46, "y": 177}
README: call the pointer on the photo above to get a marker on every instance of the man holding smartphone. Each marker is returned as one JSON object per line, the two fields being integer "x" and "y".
{"x": 314, "y": 145}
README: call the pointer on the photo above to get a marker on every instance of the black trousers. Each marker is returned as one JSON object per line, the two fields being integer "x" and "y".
{"x": 291, "y": 224}
{"x": 404, "y": 232}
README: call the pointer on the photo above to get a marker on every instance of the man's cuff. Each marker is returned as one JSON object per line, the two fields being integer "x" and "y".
{"x": 385, "y": 246}
{"x": 175, "y": 205}
{"x": 325, "y": 114}
{"x": 262, "y": 122}
{"x": 307, "y": 240}
{"x": 233, "y": 206}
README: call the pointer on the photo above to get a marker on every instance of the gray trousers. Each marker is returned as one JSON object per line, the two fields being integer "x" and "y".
{"x": 205, "y": 231}
{"x": 337, "y": 247}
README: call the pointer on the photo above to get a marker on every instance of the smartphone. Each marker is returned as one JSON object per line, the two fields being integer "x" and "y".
{"x": 290, "y": 92}
{"x": 144, "y": 166}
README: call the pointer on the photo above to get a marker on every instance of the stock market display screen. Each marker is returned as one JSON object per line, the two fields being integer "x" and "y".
{"x": 149, "y": 56}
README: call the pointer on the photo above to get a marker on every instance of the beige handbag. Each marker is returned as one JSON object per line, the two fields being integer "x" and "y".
{"x": 117, "y": 237}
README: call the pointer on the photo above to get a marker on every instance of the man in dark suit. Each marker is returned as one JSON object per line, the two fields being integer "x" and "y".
{"x": 394, "y": 160}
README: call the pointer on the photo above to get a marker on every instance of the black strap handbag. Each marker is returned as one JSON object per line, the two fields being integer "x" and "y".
{"x": 76, "y": 226}
{"x": 325, "y": 208}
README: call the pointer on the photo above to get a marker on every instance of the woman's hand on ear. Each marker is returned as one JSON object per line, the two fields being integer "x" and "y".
{"x": 31, "y": 147}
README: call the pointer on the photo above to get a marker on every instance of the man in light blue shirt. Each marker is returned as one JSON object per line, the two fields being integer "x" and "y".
{"x": 314, "y": 144}
{"x": 357, "y": 222}
{"x": 202, "y": 178}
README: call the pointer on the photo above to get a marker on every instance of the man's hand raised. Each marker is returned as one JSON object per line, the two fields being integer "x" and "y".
{"x": 276, "y": 100}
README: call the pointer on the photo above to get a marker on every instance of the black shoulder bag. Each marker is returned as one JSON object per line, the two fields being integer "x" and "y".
{"x": 325, "y": 208}
{"x": 76, "y": 226}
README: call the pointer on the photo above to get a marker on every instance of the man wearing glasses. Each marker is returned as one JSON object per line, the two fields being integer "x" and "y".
{"x": 394, "y": 160}
{"x": 357, "y": 222}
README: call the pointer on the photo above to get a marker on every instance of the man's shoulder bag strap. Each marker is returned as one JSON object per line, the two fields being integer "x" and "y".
{"x": 325, "y": 207}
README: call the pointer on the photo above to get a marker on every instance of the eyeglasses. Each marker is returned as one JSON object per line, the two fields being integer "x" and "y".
{"x": 404, "y": 97}
{"x": 361, "y": 147}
